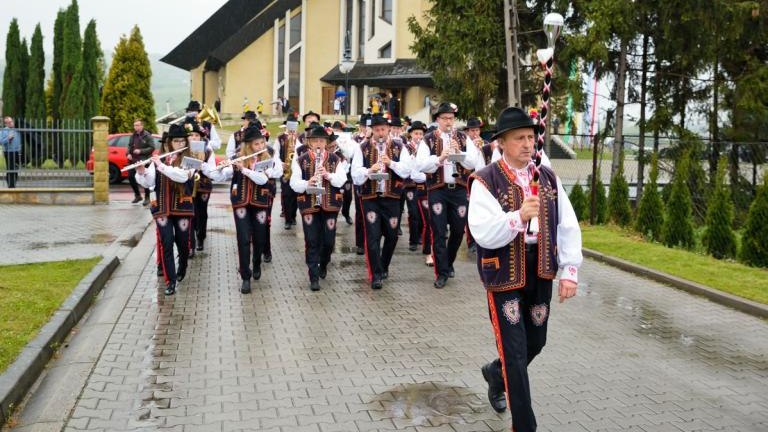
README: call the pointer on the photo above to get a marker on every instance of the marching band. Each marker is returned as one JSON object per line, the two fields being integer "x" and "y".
{"x": 383, "y": 167}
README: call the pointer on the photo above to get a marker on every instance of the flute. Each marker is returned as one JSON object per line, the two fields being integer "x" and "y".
{"x": 227, "y": 163}
{"x": 147, "y": 161}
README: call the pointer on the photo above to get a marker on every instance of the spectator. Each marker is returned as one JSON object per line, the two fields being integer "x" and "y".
{"x": 260, "y": 107}
{"x": 393, "y": 106}
{"x": 337, "y": 106}
{"x": 11, "y": 142}
{"x": 140, "y": 148}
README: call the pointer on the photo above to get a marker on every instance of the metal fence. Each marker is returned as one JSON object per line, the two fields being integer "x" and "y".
{"x": 53, "y": 154}
{"x": 747, "y": 159}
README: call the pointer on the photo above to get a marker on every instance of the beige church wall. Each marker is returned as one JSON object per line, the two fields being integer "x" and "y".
{"x": 249, "y": 74}
{"x": 321, "y": 45}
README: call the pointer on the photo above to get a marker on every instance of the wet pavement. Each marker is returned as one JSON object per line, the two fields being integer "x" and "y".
{"x": 627, "y": 354}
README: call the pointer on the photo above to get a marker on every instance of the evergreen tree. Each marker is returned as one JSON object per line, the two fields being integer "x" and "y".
{"x": 82, "y": 99}
{"x": 678, "y": 225}
{"x": 650, "y": 211}
{"x": 619, "y": 211}
{"x": 579, "y": 201}
{"x": 54, "y": 89}
{"x": 127, "y": 94}
{"x": 601, "y": 202}
{"x": 24, "y": 56}
{"x": 719, "y": 239}
{"x": 754, "y": 247}
{"x": 72, "y": 50}
{"x": 35, "y": 96}
{"x": 13, "y": 98}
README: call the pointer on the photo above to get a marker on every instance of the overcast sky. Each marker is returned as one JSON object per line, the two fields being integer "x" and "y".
{"x": 163, "y": 23}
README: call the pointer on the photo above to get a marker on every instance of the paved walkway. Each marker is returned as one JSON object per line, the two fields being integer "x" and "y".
{"x": 627, "y": 354}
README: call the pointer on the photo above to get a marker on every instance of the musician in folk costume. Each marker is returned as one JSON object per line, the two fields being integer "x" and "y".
{"x": 363, "y": 133}
{"x": 236, "y": 139}
{"x": 323, "y": 171}
{"x": 419, "y": 208}
{"x": 308, "y": 119}
{"x": 193, "y": 112}
{"x": 518, "y": 258}
{"x": 251, "y": 193}
{"x": 380, "y": 197}
{"x": 203, "y": 184}
{"x": 286, "y": 146}
{"x": 346, "y": 149}
{"x": 447, "y": 183}
{"x": 172, "y": 203}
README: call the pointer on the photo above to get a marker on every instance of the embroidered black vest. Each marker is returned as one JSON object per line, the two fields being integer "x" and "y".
{"x": 435, "y": 144}
{"x": 487, "y": 151}
{"x": 205, "y": 184}
{"x": 395, "y": 185}
{"x": 172, "y": 198}
{"x": 332, "y": 198}
{"x": 244, "y": 192}
{"x": 503, "y": 269}
{"x": 411, "y": 148}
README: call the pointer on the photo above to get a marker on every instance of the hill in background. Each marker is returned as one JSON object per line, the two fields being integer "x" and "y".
{"x": 169, "y": 84}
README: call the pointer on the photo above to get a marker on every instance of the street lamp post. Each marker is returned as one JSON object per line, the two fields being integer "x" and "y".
{"x": 345, "y": 67}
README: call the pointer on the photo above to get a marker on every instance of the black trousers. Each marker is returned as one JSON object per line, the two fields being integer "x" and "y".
{"x": 347, "y": 198}
{"x": 359, "y": 229}
{"x": 519, "y": 318}
{"x": 319, "y": 240}
{"x": 447, "y": 207}
{"x": 135, "y": 184}
{"x": 12, "y": 162}
{"x": 426, "y": 233}
{"x": 201, "y": 217}
{"x": 288, "y": 201}
{"x": 251, "y": 227}
{"x": 381, "y": 217}
{"x": 415, "y": 224}
{"x": 173, "y": 230}
{"x": 268, "y": 240}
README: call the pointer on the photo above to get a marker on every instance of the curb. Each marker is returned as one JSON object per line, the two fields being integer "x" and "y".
{"x": 744, "y": 305}
{"x": 24, "y": 371}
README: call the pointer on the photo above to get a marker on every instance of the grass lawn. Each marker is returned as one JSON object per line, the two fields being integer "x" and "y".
{"x": 727, "y": 276}
{"x": 29, "y": 295}
{"x": 587, "y": 154}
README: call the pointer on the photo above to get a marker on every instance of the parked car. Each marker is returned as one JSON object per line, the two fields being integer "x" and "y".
{"x": 117, "y": 144}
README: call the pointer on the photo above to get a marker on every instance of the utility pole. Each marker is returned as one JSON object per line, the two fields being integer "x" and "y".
{"x": 513, "y": 60}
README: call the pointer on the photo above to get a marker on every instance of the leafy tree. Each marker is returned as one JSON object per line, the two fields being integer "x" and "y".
{"x": 35, "y": 96}
{"x": 13, "y": 80}
{"x": 719, "y": 239}
{"x": 72, "y": 50}
{"x": 619, "y": 210}
{"x": 678, "y": 224}
{"x": 579, "y": 202}
{"x": 650, "y": 211}
{"x": 54, "y": 89}
{"x": 754, "y": 248}
{"x": 127, "y": 94}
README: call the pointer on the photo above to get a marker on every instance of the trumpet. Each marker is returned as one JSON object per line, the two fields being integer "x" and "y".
{"x": 290, "y": 149}
{"x": 227, "y": 163}
{"x": 147, "y": 161}
{"x": 454, "y": 156}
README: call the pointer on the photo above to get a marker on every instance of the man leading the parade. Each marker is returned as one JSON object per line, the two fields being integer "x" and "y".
{"x": 517, "y": 260}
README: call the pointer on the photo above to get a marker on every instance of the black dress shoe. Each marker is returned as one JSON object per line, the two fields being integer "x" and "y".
{"x": 136, "y": 199}
{"x": 413, "y": 247}
{"x": 385, "y": 275}
{"x": 246, "y": 287}
{"x": 268, "y": 258}
{"x": 451, "y": 274}
{"x": 314, "y": 285}
{"x": 287, "y": 225}
{"x": 180, "y": 275}
{"x": 495, "y": 387}
{"x": 349, "y": 220}
{"x": 323, "y": 272}
{"x": 160, "y": 271}
{"x": 200, "y": 245}
{"x": 170, "y": 289}
{"x": 191, "y": 253}
{"x": 360, "y": 251}
{"x": 256, "y": 274}
{"x": 145, "y": 202}
{"x": 376, "y": 284}
{"x": 441, "y": 281}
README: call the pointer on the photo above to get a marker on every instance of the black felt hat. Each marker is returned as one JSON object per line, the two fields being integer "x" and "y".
{"x": 311, "y": 125}
{"x": 474, "y": 123}
{"x": 177, "y": 131}
{"x": 337, "y": 125}
{"x": 250, "y": 115}
{"x": 364, "y": 118}
{"x": 417, "y": 125}
{"x": 194, "y": 127}
{"x": 396, "y": 122}
{"x": 378, "y": 120}
{"x": 251, "y": 133}
{"x": 193, "y": 106}
{"x": 290, "y": 118}
{"x": 512, "y": 118}
{"x": 445, "y": 108}
{"x": 318, "y": 131}
{"x": 310, "y": 113}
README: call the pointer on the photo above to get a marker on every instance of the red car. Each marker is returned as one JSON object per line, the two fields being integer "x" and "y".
{"x": 117, "y": 145}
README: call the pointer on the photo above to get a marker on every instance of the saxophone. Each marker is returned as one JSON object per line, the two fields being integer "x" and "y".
{"x": 290, "y": 151}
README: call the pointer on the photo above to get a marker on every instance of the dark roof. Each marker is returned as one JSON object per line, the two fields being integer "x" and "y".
{"x": 401, "y": 73}
{"x": 227, "y": 32}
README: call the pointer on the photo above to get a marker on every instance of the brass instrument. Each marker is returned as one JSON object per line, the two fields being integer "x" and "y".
{"x": 290, "y": 150}
{"x": 382, "y": 175}
{"x": 317, "y": 189}
{"x": 479, "y": 143}
{"x": 454, "y": 156}
{"x": 147, "y": 161}
{"x": 209, "y": 114}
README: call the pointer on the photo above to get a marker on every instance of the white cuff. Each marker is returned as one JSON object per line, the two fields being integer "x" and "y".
{"x": 516, "y": 222}
{"x": 571, "y": 273}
